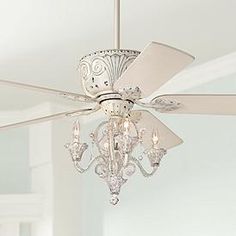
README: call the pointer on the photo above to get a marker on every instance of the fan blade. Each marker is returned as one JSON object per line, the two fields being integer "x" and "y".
{"x": 153, "y": 67}
{"x": 50, "y": 117}
{"x": 145, "y": 119}
{"x": 68, "y": 95}
{"x": 216, "y": 104}
{"x": 221, "y": 67}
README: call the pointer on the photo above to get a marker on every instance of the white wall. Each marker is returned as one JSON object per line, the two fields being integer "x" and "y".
{"x": 14, "y": 163}
{"x": 67, "y": 187}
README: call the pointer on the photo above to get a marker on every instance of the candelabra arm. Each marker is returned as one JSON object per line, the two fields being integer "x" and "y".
{"x": 81, "y": 169}
{"x": 142, "y": 170}
{"x": 77, "y": 149}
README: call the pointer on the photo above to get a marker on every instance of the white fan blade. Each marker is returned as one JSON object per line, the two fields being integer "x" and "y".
{"x": 50, "y": 117}
{"x": 157, "y": 64}
{"x": 146, "y": 120}
{"x": 216, "y": 104}
{"x": 221, "y": 67}
{"x": 68, "y": 95}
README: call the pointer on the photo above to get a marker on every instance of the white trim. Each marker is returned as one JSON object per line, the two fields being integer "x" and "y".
{"x": 20, "y": 208}
{"x": 10, "y": 229}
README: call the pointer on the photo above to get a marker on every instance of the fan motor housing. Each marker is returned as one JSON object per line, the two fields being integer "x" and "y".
{"x": 113, "y": 104}
{"x": 99, "y": 70}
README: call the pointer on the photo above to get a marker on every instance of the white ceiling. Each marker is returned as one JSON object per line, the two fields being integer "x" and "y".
{"x": 42, "y": 41}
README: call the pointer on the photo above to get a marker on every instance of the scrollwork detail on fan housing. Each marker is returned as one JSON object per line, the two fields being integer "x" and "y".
{"x": 99, "y": 70}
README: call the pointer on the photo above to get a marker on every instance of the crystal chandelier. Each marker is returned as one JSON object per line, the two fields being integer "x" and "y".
{"x": 123, "y": 143}
{"x": 116, "y": 141}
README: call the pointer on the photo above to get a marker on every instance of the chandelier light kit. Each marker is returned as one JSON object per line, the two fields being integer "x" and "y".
{"x": 129, "y": 139}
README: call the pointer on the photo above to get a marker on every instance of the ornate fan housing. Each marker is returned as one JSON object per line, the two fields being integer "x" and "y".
{"x": 99, "y": 70}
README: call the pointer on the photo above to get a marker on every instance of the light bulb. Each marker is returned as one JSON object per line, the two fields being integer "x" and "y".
{"x": 106, "y": 146}
{"x": 155, "y": 137}
{"x": 126, "y": 124}
{"x": 76, "y": 131}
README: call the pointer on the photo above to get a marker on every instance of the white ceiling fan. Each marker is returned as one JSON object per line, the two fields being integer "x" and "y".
{"x": 114, "y": 81}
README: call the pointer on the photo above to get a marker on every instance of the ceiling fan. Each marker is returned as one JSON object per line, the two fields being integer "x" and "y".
{"x": 114, "y": 81}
